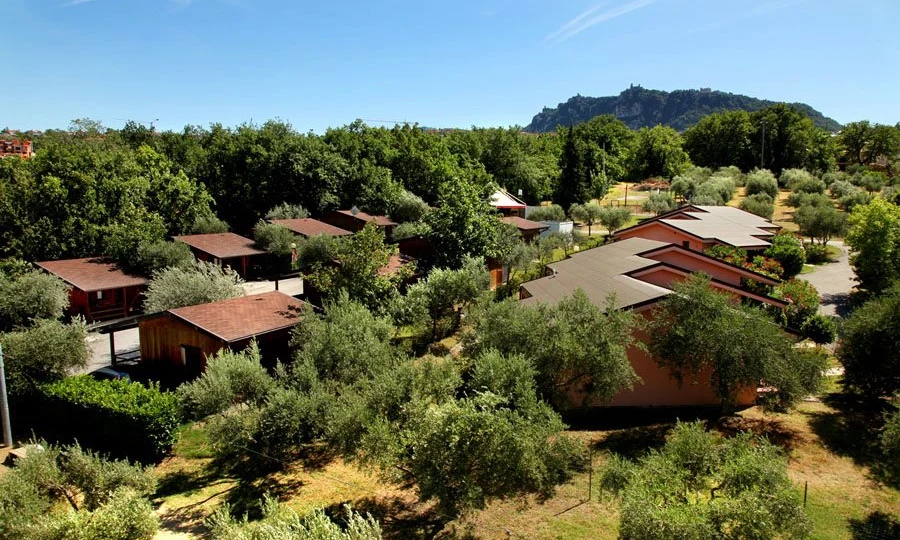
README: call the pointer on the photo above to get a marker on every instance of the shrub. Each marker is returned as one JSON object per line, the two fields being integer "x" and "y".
{"x": 731, "y": 172}
{"x": 868, "y": 346}
{"x": 209, "y": 224}
{"x": 282, "y": 522}
{"x": 788, "y": 251}
{"x": 159, "y": 255}
{"x": 408, "y": 207}
{"x": 803, "y": 301}
{"x": 410, "y": 229}
{"x": 792, "y": 177}
{"x": 819, "y": 328}
{"x": 705, "y": 200}
{"x": 287, "y": 211}
{"x": 119, "y": 417}
{"x": 554, "y": 212}
{"x": 200, "y": 283}
{"x": 760, "y": 204}
{"x": 659, "y": 203}
{"x": 856, "y": 197}
{"x": 817, "y": 254}
{"x": 871, "y": 181}
{"x": 31, "y": 295}
{"x": 841, "y": 188}
{"x": 808, "y": 185}
{"x": 761, "y": 181}
{"x": 815, "y": 200}
{"x": 614, "y": 218}
{"x": 273, "y": 238}
{"x": 46, "y": 352}
{"x": 720, "y": 188}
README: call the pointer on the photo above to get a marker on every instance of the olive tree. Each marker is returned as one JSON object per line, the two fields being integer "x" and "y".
{"x": 588, "y": 214}
{"x": 30, "y": 296}
{"x": 614, "y": 218}
{"x": 201, "y": 283}
{"x": 699, "y": 330}
{"x": 868, "y": 346}
{"x": 45, "y": 352}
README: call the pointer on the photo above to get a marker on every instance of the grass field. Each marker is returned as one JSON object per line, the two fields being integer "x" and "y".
{"x": 831, "y": 444}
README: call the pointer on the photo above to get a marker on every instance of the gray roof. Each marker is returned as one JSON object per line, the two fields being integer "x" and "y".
{"x": 724, "y": 224}
{"x": 599, "y": 272}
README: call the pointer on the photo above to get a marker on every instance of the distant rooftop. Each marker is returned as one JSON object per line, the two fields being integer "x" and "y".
{"x": 381, "y": 221}
{"x": 724, "y": 224}
{"x": 524, "y": 224}
{"x": 244, "y": 317}
{"x": 92, "y": 274}
{"x": 503, "y": 199}
{"x": 311, "y": 227}
{"x": 221, "y": 245}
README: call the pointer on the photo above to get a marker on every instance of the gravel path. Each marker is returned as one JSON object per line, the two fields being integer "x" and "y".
{"x": 834, "y": 281}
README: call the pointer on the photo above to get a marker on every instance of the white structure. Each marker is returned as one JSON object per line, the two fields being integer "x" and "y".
{"x": 564, "y": 227}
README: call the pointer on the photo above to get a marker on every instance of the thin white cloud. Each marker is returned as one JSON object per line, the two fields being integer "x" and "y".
{"x": 584, "y": 20}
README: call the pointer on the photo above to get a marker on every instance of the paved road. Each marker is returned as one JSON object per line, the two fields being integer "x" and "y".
{"x": 834, "y": 281}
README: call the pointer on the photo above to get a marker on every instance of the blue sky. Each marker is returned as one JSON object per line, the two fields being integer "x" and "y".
{"x": 437, "y": 62}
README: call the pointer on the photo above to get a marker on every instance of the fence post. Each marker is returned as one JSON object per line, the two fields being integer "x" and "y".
{"x": 590, "y": 474}
{"x": 805, "y": 490}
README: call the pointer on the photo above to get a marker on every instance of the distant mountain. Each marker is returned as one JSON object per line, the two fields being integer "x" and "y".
{"x": 641, "y": 107}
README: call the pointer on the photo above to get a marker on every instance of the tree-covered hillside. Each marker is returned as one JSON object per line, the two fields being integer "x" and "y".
{"x": 641, "y": 107}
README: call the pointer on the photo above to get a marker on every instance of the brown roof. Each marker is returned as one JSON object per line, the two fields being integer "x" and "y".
{"x": 311, "y": 227}
{"x": 525, "y": 224}
{"x": 381, "y": 221}
{"x": 395, "y": 263}
{"x": 722, "y": 224}
{"x": 221, "y": 245}
{"x": 92, "y": 274}
{"x": 244, "y": 317}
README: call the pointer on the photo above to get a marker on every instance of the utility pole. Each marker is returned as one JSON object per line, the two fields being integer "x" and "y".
{"x": 762, "y": 153}
{"x": 4, "y": 405}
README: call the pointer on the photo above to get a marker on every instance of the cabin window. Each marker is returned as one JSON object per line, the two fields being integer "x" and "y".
{"x": 99, "y": 295}
{"x": 686, "y": 244}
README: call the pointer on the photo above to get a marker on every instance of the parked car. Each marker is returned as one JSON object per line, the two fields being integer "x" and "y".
{"x": 109, "y": 374}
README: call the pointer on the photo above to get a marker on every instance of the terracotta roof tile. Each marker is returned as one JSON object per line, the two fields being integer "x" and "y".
{"x": 240, "y": 318}
{"x": 92, "y": 274}
{"x": 311, "y": 227}
{"x": 221, "y": 245}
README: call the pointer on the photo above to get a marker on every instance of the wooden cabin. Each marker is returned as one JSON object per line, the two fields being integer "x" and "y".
{"x": 530, "y": 230}
{"x": 182, "y": 339}
{"x": 100, "y": 289}
{"x": 227, "y": 249}
{"x": 309, "y": 227}
{"x": 355, "y": 220}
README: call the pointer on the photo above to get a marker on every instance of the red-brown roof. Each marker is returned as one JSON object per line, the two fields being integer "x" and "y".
{"x": 381, "y": 221}
{"x": 311, "y": 227}
{"x": 221, "y": 245}
{"x": 244, "y": 317}
{"x": 395, "y": 263}
{"x": 524, "y": 224}
{"x": 92, "y": 274}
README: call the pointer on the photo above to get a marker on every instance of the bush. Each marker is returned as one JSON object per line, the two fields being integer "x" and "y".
{"x": 803, "y": 301}
{"x": 121, "y": 418}
{"x": 209, "y": 224}
{"x": 817, "y": 254}
{"x": 868, "y": 346}
{"x": 275, "y": 239}
{"x": 819, "y": 328}
{"x": 554, "y": 212}
{"x": 808, "y": 185}
{"x": 788, "y": 251}
{"x": 200, "y": 283}
{"x": 857, "y": 197}
{"x": 816, "y": 200}
{"x": 760, "y": 204}
{"x": 659, "y": 203}
{"x": 792, "y": 177}
{"x": 159, "y": 255}
{"x": 408, "y": 208}
{"x": 871, "y": 181}
{"x": 731, "y": 172}
{"x": 287, "y": 211}
{"x": 48, "y": 351}
{"x": 705, "y": 200}
{"x": 841, "y": 188}
{"x": 761, "y": 181}
{"x": 282, "y": 522}
{"x": 410, "y": 229}
{"x": 29, "y": 296}
{"x": 720, "y": 188}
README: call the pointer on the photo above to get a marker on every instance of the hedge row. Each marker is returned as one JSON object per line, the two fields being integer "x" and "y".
{"x": 117, "y": 417}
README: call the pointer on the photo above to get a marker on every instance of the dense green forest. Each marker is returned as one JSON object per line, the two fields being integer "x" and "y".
{"x": 91, "y": 190}
{"x": 642, "y": 107}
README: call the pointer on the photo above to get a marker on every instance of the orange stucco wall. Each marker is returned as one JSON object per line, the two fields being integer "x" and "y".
{"x": 659, "y": 231}
{"x": 659, "y": 389}
{"x": 695, "y": 263}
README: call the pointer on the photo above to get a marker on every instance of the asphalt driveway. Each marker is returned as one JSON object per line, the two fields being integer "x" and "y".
{"x": 834, "y": 281}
